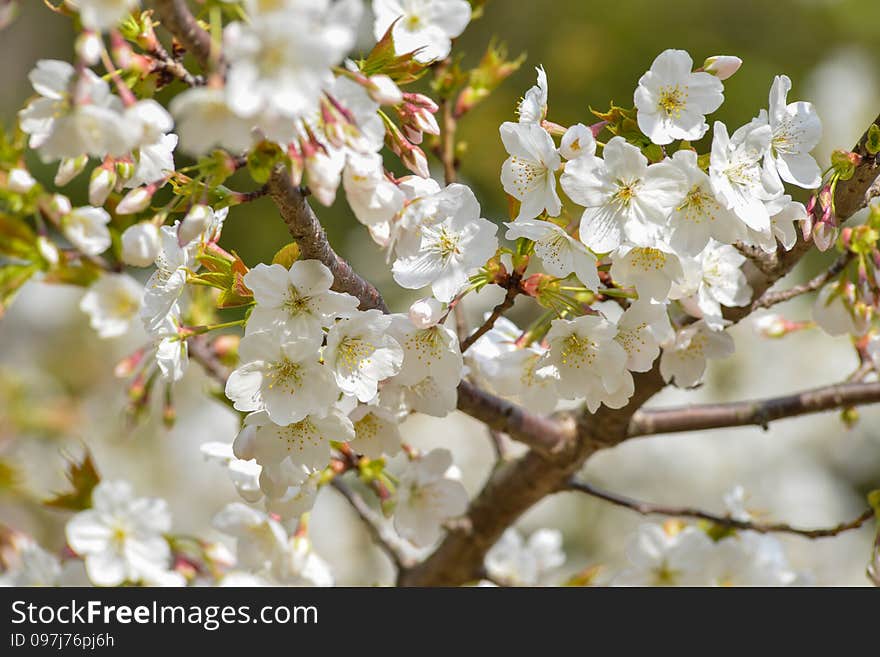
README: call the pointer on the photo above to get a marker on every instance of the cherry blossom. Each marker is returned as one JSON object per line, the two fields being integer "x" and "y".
{"x": 426, "y": 27}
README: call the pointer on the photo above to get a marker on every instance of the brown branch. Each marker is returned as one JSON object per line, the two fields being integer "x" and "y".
{"x": 513, "y": 289}
{"x": 179, "y": 21}
{"x": 201, "y": 351}
{"x": 759, "y": 412}
{"x": 307, "y": 232}
{"x": 770, "y": 298}
{"x": 165, "y": 64}
{"x": 389, "y": 543}
{"x": 647, "y": 509}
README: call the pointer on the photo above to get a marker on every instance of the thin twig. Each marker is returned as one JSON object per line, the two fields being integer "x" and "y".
{"x": 513, "y": 290}
{"x": 770, "y": 298}
{"x": 381, "y": 535}
{"x": 646, "y": 509}
{"x": 759, "y": 412}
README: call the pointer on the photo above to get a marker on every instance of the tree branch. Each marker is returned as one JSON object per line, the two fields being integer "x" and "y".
{"x": 179, "y": 21}
{"x": 389, "y": 543}
{"x": 646, "y": 509}
{"x": 513, "y": 289}
{"x": 770, "y": 298}
{"x": 759, "y": 412}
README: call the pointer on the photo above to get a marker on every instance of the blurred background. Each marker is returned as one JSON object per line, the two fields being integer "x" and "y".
{"x": 57, "y": 391}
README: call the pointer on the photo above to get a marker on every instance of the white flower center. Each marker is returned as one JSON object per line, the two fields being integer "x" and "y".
{"x": 672, "y": 100}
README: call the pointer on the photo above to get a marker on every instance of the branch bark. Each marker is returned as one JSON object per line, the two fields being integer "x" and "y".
{"x": 179, "y": 21}
{"x": 646, "y": 509}
{"x": 758, "y": 412}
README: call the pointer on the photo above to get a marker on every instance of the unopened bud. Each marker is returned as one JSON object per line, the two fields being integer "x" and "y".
{"x": 722, "y": 66}
{"x": 88, "y": 47}
{"x": 124, "y": 168}
{"x": 196, "y": 222}
{"x": 140, "y": 244}
{"x": 135, "y": 201}
{"x": 127, "y": 366}
{"x": 48, "y": 250}
{"x": 384, "y": 91}
{"x": 60, "y": 206}
{"x": 69, "y": 168}
{"x": 102, "y": 182}
{"x": 20, "y": 181}
{"x": 425, "y": 313}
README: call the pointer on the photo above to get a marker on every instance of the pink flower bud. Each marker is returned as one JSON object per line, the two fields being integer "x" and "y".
{"x": 722, "y": 66}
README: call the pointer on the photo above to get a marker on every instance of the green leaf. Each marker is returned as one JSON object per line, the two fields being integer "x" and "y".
{"x": 286, "y": 255}
{"x": 872, "y": 143}
{"x": 262, "y": 159}
{"x": 83, "y": 477}
{"x": 12, "y": 277}
{"x": 403, "y": 69}
{"x": 493, "y": 69}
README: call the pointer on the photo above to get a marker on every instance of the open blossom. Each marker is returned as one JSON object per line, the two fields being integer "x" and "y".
{"x": 650, "y": 269}
{"x": 372, "y": 196}
{"x": 281, "y": 376}
{"x": 795, "y": 131}
{"x": 559, "y": 252}
{"x": 751, "y": 559}
{"x": 431, "y": 351}
{"x": 288, "y": 452}
{"x": 204, "y": 120}
{"x": 426, "y": 497}
{"x": 298, "y": 300}
{"x": 121, "y": 536}
{"x": 104, "y": 14}
{"x": 424, "y": 26}
{"x": 524, "y": 376}
{"x": 684, "y": 358}
{"x": 699, "y": 217}
{"x": 665, "y": 558}
{"x": 520, "y": 562}
{"x": 166, "y": 285}
{"x": 590, "y": 362}
{"x": 533, "y": 107}
{"x": 111, "y": 303}
{"x": 641, "y": 329}
{"x": 360, "y": 353}
{"x": 529, "y": 174}
{"x": 260, "y": 540}
{"x": 784, "y": 217}
{"x": 244, "y": 474}
{"x": 86, "y": 228}
{"x": 454, "y": 243}
{"x": 672, "y": 101}
{"x": 427, "y": 395}
{"x": 623, "y": 196}
{"x": 172, "y": 353}
{"x": 376, "y": 432}
{"x": 153, "y": 161}
{"x": 715, "y": 279}
{"x": 740, "y": 179}
{"x": 578, "y": 141}
{"x": 35, "y": 567}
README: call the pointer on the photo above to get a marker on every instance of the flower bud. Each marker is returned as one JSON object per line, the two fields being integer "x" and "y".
{"x": 20, "y": 181}
{"x": 426, "y": 312}
{"x": 244, "y": 445}
{"x": 140, "y": 244}
{"x": 196, "y": 222}
{"x": 384, "y": 91}
{"x": 124, "y": 168}
{"x": 135, "y": 201}
{"x": 722, "y": 66}
{"x": 48, "y": 250}
{"x": 69, "y": 168}
{"x": 101, "y": 184}
{"x": 60, "y": 205}
{"x": 88, "y": 47}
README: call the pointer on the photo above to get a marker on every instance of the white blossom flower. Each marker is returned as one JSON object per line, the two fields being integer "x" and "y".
{"x": 360, "y": 353}
{"x": 672, "y": 101}
{"x": 287, "y": 453}
{"x": 623, "y": 196}
{"x": 298, "y": 300}
{"x": 650, "y": 269}
{"x": 172, "y": 352}
{"x": 784, "y": 217}
{"x": 750, "y": 559}
{"x": 244, "y": 474}
{"x": 86, "y": 228}
{"x": 519, "y": 562}
{"x": 376, "y": 432}
{"x": 699, "y": 217}
{"x": 154, "y": 161}
{"x": 523, "y": 376}
{"x": 714, "y": 279}
{"x": 739, "y": 178}
{"x": 424, "y": 26}
{"x": 284, "y": 378}
{"x": 166, "y": 285}
{"x": 426, "y": 312}
{"x": 426, "y": 497}
{"x": 796, "y": 130}
{"x": 111, "y": 302}
{"x": 427, "y": 396}
{"x": 529, "y": 174}
{"x": 454, "y": 243}
{"x": 260, "y": 540}
{"x": 432, "y": 351}
{"x": 533, "y": 107}
{"x": 684, "y": 358}
{"x": 36, "y": 567}
{"x": 102, "y": 15}
{"x": 589, "y": 361}
{"x": 121, "y": 536}
{"x": 20, "y": 181}
{"x": 373, "y": 198}
{"x": 204, "y": 120}
{"x": 662, "y": 558}
{"x": 641, "y": 329}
